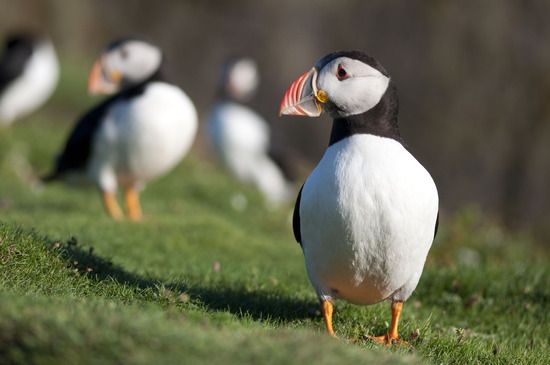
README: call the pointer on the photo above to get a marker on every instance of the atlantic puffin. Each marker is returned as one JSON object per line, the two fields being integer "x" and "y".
{"x": 138, "y": 133}
{"x": 367, "y": 215}
{"x": 241, "y": 136}
{"x": 29, "y": 72}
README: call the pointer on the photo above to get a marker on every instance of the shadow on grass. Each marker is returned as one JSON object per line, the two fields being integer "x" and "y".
{"x": 240, "y": 301}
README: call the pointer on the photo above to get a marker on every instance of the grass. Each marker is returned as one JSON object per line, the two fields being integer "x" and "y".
{"x": 200, "y": 282}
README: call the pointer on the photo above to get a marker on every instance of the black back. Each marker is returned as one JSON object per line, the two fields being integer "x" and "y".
{"x": 18, "y": 49}
{"x": 77, "y": 150}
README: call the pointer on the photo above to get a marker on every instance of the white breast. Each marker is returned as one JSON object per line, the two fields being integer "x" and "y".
{"x": 241, "y": 138}
{"x": 235, "y": 129}
{"x": 143, "y": 137}
{"x": 33, "y": 87}
{"x": 367, "y": 216}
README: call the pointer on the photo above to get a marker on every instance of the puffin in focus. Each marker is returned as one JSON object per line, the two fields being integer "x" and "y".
{"x": 137, "y": 134}
{"x": 29, "y": 72}
{"x": 367, "y": 215}
{"x": 241, "y": 137}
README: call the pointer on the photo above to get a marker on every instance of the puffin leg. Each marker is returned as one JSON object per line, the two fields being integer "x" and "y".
{"x": 133, "y": 207}
{"x": 111, "y": 205}
{"x": 326, "y": 308}
{"x": 392, "y": 336}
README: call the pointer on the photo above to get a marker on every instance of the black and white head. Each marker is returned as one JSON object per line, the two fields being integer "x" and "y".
{"x": 240, "y": 79}
{"x": 124, "y": 63}
{"x": 342, "y": 84}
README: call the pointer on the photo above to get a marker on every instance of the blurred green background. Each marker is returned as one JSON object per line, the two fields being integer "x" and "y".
{"x": 473, "y": 77}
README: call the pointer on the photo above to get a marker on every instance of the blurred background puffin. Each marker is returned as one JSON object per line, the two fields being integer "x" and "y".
{"x": 139, "y": 133}
{"x": 241, "y": 136}
{"x": 367, "y": 215}
{"x": 29, "y": 71}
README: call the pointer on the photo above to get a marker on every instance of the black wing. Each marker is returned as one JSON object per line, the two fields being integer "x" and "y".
{"x": 17, "y": 51}
{"x": 76, "y": 154}
{"x": 436, "y": 225}
{"x": 296, "y": 218}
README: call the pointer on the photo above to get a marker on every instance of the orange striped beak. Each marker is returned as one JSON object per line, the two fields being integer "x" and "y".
{"x": 99, "y": 82}
{"x": 302, "y": 97}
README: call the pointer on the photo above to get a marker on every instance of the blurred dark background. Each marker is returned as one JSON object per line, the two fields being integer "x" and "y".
{"x": 473, "y": 76}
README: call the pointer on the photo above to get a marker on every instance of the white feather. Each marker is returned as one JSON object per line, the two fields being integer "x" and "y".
{"x": 143, "y": 137}
{"x": 242, "y": 80}
{"x": 361, "y": 91}
{"x": 367, "y": 215}
{"x": 33, "y": 87}
{"x": 136, "y": 60}
{"x": 241, "y": 138}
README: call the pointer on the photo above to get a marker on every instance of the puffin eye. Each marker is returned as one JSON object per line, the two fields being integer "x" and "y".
{"x": 341, "y": 73}
{"x": 124, "y": 53}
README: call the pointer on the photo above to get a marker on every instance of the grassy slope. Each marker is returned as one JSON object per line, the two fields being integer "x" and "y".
{"x": 200, "y": 281}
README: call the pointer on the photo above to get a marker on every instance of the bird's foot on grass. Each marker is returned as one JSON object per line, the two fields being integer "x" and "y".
{"x": 387, "y": 339}
{"x": 111, "y": 206}
{"x": 135, "y": 216}
{"x": 326, "y": 308}
{"x": 133, "y": 207}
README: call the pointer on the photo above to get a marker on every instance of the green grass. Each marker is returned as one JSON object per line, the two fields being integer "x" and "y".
{"x": 200, "y": 282}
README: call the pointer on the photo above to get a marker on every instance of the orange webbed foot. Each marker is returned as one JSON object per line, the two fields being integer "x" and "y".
{"x": 111, "y": 206}
{"x": 133, "y": 207}
{"x": 392, "y": 337}
{"x": 386, "y": 340}
{"x": 327, "y": 308}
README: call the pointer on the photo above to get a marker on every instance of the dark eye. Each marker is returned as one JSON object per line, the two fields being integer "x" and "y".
{"x": 124, "y": 53}
{"x": 341, "y": 73}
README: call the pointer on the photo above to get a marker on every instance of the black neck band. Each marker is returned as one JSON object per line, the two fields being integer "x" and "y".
{"x": 379, "y": 121}
{"x": 139, "y": 88}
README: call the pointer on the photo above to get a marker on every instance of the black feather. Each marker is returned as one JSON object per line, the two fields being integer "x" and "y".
{"x": 296, "y": 218}
{"x": 18, "y": 50}
{"x": 356, "y": 55}
{"x": 379, "y": 121}
{"x": 77, "y": 150}
{"x": 436, "y": 225}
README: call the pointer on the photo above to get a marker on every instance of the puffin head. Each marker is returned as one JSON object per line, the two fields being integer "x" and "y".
{"x": 341, "y": 83}
{"x": 122, "y": 64}
{"x": 240, "y": 79}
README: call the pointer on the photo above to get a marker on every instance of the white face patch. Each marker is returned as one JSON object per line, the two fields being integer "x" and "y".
{"x": 242, "y": 79}
{"x": 134, "y": 60}
{"x": 353, "y": 86}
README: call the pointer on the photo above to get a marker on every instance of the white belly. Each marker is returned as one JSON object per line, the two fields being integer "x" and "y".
{"x": 234, "y": 127}
{"x": 241, "y": 138}
{"x": 144, "y": 137}
{"x": 33, "y": 87}
{"x": 367, "y": 218}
